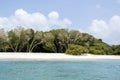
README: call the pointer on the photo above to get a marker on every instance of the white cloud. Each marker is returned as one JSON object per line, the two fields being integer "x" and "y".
{"x": 67, "y": 21}
{"x": 37, "y": 21}
{"x": 109, "y": 30}
{"x": 53, "y": 15}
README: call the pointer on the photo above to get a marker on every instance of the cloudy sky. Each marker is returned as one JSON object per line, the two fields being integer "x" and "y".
{"x": 100, "y": 18}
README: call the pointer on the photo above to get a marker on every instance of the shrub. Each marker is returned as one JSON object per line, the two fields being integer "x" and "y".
{"x": 76, "y": 50}
{"x": 97, "y": 51}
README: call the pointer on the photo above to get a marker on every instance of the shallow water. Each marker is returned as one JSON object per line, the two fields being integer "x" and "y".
{"x": 60, "y": 70}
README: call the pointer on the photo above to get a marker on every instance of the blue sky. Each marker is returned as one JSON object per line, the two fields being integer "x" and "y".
{"x": 100, "y": 18}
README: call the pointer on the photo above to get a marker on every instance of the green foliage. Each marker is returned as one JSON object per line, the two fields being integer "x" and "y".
{"x": 76, "y": 49}
{"x": 48, "y": 41}
{"x": 116, "y": 49}
{"x": 58, "y": 41}
{"x": 61, "y": 39}
{"x": 100, "y": 48}
{"x": 96, "y": 51}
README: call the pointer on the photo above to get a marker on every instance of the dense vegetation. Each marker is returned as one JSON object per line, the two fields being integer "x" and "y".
{"x": 53, "y": 41}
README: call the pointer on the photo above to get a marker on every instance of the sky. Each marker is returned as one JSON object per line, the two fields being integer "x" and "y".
{"x": 100, "y": 18}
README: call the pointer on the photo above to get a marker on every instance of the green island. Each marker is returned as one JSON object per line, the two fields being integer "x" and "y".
{"x": 71, "y": 42}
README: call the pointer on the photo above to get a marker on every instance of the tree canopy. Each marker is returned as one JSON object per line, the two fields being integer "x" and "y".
{"x": 54, "y": 41}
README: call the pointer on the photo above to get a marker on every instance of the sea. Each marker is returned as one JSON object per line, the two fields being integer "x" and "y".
{"x": 60, "y": 70}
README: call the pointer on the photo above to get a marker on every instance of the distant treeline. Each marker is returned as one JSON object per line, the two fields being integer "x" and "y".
{"x": 54, "y": 41}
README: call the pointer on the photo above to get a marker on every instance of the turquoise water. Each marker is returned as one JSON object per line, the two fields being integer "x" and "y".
{"x": 60, "y": 70}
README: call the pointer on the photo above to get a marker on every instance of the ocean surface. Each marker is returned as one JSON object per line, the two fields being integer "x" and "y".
{"x": 60, "y": 70}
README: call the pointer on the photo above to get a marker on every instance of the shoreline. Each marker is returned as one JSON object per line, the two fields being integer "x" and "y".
{"x": 53, "y": 56}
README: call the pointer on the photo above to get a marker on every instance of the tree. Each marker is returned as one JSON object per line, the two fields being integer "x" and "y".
{"x": 16, "y": 39}
{"x": 116, "y": 49}
{"x": 48, "y": 42}
{"x": 75, "y": 37}
{"x": 20, "y": 39}
{"x": 3, "y": 39}
{"x": 100, "y": 48}
{"x": 37, "y": 42}
{"x": 32, "y": 39}
{"x": 61, "y": 39}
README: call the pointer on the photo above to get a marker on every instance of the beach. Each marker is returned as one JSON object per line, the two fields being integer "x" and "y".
{"x": 52, "y": 56}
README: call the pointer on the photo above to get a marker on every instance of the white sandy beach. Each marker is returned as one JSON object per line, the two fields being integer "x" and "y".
{"x": 52, "y": 56}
